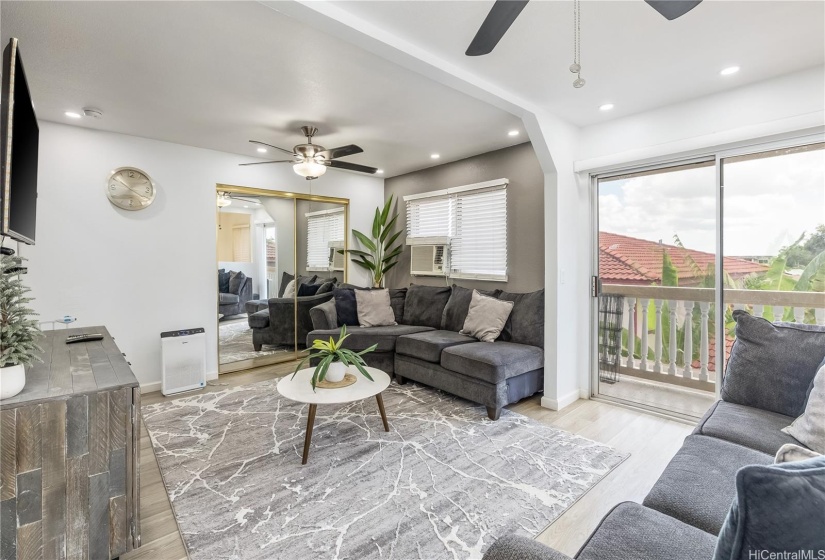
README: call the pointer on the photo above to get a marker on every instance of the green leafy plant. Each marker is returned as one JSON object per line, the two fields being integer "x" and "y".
{"x": 332, "y": 351}
{"x": 18, "y": 331}
{"x": 377, "y": 254}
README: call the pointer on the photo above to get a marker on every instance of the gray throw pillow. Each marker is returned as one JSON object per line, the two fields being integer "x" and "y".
{"x": 526, "y": 322}
{"x": 398, "y": 297}
{"x": 777, "y": 509}
{"x": 373, "y": 308}
{"x": 771, "y": 365}
{"x": 286, "y": 278}
{"x": 455, "y": 312}
{"x": 424, "y": 305}
{"x": 324, "y": 288}
{"x": 486, "y": 317}
{"x": 810, "y": 427}
{"x": 236, "y": 281}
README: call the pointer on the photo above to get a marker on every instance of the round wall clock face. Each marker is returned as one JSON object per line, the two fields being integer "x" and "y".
{"x": 130, "y": 188}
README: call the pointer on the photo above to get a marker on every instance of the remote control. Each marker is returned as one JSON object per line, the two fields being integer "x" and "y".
{"x": 72, "y": 338}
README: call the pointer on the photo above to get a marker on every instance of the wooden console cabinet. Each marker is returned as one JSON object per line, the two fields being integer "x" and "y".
{"x": 69, "y": 455}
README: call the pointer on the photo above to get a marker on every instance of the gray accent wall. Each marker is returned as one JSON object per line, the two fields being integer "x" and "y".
{"x": 525, "y": 214}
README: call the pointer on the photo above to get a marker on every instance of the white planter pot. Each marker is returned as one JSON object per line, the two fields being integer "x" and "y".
{"x": 12, "y": 381}
{"x": 336, "y": 372}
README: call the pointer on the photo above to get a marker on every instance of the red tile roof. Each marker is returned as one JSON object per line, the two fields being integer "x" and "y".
{"x": 629, "y": 260}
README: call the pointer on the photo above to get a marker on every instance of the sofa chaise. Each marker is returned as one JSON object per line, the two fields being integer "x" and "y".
{"x": 234, "y": 290}
{"x": 682, "y": 516}
{"x": 426, "y": 345}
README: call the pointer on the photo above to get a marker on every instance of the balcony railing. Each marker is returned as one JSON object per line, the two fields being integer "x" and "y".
{"x": 681, "y": 307}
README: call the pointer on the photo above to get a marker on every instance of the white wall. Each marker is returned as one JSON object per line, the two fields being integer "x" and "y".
{"x": 141, "y": 273}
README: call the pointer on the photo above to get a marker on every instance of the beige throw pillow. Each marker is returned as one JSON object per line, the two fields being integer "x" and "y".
{"x": 810, "y": 427}
{"x": 791, "y": 452}
{"x": 289, "y": 291}
{"x": 374, "y": 309}
{"x": 486, "y": 317}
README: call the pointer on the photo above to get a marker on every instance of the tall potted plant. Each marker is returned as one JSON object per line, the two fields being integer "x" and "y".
{"x": 377, "y": 254}
{"x": 18, "y": 331}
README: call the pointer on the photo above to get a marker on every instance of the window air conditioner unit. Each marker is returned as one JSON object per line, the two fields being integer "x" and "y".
{"x": 337, "y": 260}
{"x": 428, "y": 260}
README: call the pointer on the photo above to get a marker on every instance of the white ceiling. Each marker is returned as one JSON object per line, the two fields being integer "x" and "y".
{"x": 217, "y": 74}
{"x": 631, "y": 56}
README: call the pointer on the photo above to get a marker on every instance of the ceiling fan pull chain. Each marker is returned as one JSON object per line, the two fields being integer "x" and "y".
{"x": 576, "y": 67}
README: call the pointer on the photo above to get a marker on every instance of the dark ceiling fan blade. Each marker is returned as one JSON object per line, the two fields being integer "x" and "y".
{"x": 265, "y": 162}
{"x": 341, "y": 151}
{"x": 351, "y": 166}
{"x": 496, "y": 24}
{"x": 673, "y": 9}
{"x": 271, "y": 146}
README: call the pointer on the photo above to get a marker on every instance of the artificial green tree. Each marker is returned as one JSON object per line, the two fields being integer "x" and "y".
{"x": 18, "y": 330}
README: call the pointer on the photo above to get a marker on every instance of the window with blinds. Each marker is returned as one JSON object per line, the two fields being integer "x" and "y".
{"x": 241, "y": 244}
{"x": 323, "y": 227}
{"x": 474, "y": 220}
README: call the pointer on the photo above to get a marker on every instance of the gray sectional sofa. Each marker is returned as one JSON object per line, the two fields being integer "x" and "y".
{"x": 234, "y": 290}
{"x": 765, "y": 387}
{"x": 425, "y": 345}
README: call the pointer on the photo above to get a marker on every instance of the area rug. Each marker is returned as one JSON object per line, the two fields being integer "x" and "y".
{"x": 445, "y": 482}
{"x": 235, "y": 343}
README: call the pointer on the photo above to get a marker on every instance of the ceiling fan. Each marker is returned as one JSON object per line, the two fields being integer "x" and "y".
{"x": 311, "y": 160}
{"x": 226, "y": 198}
{"x": 505, "y": 12}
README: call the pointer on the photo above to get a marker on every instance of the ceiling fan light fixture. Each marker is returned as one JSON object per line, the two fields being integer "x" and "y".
{"x": 224, "y": 200}
{"x": 309, "y": 169}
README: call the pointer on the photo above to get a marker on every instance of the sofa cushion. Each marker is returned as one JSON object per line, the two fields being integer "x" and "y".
{"x": 236, "y": 280}
{"x": 698, "y": 484}
{"x": 778, "y": 509}
{"x": 424, "y": 305}
{"x": 324, "y": 288}
{"x": 486, "y": 317}
{"x": 223, "y": 281}
{"x": 346, "y": 307}
{"x": 259, "y": 319}
{"x": 745, "y": 425}
{"x": 455, "y": 312}
{"x": 526, "y": 322}
{"x": 428, "y": 345}
{"x": 398, "y": 297}
{"x": 361, "y": 338}
{"x": 516, "y": 547}
{"x": 286, "y": 278}
{"x": 228, "y": 298}
{"x": 492, "y": 362}
{"x": 772, "y": 365}
{"x": 810, "y": 427}
{"x": 305, "y": 290}
{"x": 320, "y": 281}
{"x": 373, "y": 308}
{"x": 633, "y": 532}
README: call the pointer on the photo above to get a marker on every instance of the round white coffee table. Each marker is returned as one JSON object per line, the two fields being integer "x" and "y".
{"x": 299, "y": 389}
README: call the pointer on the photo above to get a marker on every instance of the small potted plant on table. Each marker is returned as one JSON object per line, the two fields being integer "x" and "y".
{"x": 334, "y": 360}
{"x": 18, "y": 331}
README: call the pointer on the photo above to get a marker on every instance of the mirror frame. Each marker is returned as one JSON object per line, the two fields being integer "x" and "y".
{"x": 271, "y": 359}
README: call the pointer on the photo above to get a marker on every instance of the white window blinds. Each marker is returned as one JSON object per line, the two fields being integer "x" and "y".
{"x": 479, "y": 247}
{"x": 323, "y": 227}
{"x": 474, "y": 219}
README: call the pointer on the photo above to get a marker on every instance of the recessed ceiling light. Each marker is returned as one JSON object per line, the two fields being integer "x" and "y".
{"x": 729, "y": 70}
{"x": 606, "y": 107}
{"x": 72, "y": 115}
{"x": 380, "y": 171}
{"x": 262, "y": 150}
{"x": 513, "y": 133}
{"x": 435, "y": 156}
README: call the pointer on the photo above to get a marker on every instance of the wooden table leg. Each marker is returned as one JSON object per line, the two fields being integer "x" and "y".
{"x": 383, "y": 413}
{"x": 308, "y": 438}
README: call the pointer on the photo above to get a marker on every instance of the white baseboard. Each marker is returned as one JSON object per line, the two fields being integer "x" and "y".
{"x": 154, "y": 386}
{"x": 558, "y": 404}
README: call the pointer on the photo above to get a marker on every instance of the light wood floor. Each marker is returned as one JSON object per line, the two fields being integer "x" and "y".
{"x": 652, "y": 441}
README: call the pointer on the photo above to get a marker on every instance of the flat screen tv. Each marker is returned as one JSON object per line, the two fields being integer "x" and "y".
{"x": 20, "y": 136}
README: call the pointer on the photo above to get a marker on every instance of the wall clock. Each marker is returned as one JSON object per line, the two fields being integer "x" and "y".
{"x": 130, "y": 188}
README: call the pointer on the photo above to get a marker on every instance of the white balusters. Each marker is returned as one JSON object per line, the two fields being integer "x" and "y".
{"x": 704, "y": 307}
{"x": 819, "y": 314}
{"x": 657, "y": 337}
{"x": 759, "y": 310}
{"x": 671, "y": 347}
{"x": 799, "y": 314}
{"x": 688, "y": 371}
{"x": 631, "y": 330}
{"x": 738, "y": 306}
{"x": 643, "y": 307}
{"x": 778, "y": 312}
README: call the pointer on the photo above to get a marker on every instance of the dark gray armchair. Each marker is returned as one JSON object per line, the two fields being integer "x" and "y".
{"x": 275, "y": 325}
{"x": 233, "y": 303}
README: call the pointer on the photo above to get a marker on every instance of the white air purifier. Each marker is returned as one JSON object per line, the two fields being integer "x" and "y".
{"x": 183, "y": 361}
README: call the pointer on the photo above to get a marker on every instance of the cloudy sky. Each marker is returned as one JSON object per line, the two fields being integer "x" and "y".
{"x": 768, "y": 203}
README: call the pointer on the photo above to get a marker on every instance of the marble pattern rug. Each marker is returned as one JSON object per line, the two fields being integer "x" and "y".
{"x": 445, "y": 482}
{"x": 235, "y": 343}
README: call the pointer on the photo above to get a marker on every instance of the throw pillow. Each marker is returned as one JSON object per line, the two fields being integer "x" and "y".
{"x": 792, "y": 452}
{"x": 455, "y": 312}
{"x": 236, "y": 281}
{"x": 324, "y": 288}
{"x": 308, "y": 289}
{"x": 286, "y": 278}
{"x": 346, "y": 307}
{"x": 526, "y": 322}
{"x": 810, "y": 427}
{"x": 289, "y": 291}
{"x": 398, "y": 298}
{"x": 424, "y": 305}
{"x": 319, "y": 281}
{"x": 772, "y": 365}
{"x": 373, "y": 308}
{"x": 223, "y": 281}
{"x": 306, "y": 280}
{"x": 777, "y": 509}
{"x": 486, "y": 317}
